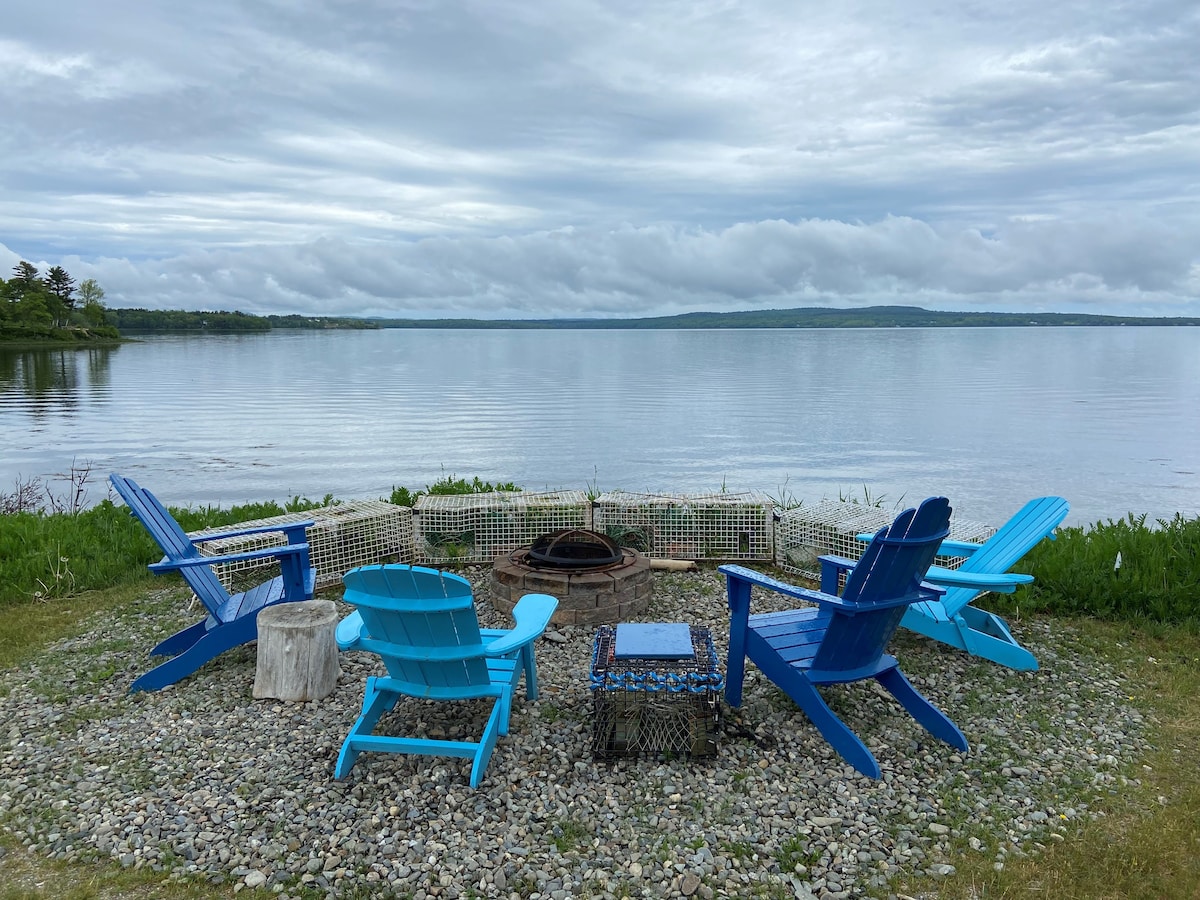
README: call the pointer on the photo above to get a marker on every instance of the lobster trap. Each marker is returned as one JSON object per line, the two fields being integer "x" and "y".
{"x": 832, "y": 527}
{"x": 357, "y": 533}
{"x": 655, "y": 706}
{"x": 475, "y": 528}
{"x": 724, "y": 526}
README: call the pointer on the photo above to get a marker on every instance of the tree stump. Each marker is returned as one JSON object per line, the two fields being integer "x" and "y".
{"x": 297, "y": 654}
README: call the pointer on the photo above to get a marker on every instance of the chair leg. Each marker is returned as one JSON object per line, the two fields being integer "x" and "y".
{"x": 488, "y": 743}
{"x": 986, "y": 635}
{"x": 833, "y": 729}
{"x": 375, "y": 703}
{"x": 735, "y": 663}
{"x": 529, "y": 664}
{"x": 181, "y": 640}
{"x": 928, "y": 715}
{"x": 214, "y": 642}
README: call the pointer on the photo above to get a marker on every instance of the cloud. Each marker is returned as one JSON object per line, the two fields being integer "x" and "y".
{"x": 636, "y": 271}
{"x": 606, "y": 158}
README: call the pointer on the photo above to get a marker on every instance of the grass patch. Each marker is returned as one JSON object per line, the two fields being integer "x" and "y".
{"x": 1146, "y": 842}
{"x": 24, "y": 876}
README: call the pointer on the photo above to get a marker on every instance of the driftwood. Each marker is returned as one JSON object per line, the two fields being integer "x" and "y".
{"x": 673, "y": 565}
{"x": 297, "y": 654}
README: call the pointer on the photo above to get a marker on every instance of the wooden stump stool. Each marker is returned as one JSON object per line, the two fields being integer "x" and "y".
{"x": 297, "y": 654}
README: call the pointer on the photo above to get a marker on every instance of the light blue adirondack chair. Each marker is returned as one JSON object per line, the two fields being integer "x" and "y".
{"x": 842, "y": 639}
{"x": 232, "y": 620}
{"x": 951, "y": 619}
{"x": 422, "y": 622}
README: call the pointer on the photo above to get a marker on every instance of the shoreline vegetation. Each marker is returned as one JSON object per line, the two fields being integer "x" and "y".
{"x": 143, "y": 321}
{"x": 1124, "y": 589}
{"x": 50, "y": 310}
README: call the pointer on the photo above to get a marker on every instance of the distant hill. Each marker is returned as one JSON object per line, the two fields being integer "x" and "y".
{"x": 146, "y": 321}
{"x": 806, "y": 317}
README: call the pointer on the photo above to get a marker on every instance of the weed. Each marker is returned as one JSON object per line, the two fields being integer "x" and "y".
{"x": 569, "y": 835}
{"x": 795, "y": 851}
{"x": 785, "y": 499}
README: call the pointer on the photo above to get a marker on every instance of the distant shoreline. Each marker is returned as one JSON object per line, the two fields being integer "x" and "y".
{"x": 141, "y": 321}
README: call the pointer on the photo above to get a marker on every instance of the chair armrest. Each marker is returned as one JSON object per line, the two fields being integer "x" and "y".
{"x": 751, "y": 577}
{"x": 1000, "y": 582}
{"x": 170, "y": 565}
{"x": 947, "y": 547}
{"x": 348, "y": 631}
{"x": 288, "y": 528}
{"x": 821, "y": 598}
{"x": 531, "y": 614}
{"x": 957, "y": 548}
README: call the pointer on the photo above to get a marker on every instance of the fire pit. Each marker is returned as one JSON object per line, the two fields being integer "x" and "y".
{"x": 596, "y": 581}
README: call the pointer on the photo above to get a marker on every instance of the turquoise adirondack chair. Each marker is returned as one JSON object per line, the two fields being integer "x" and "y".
{"x": 422, "y": 623}
{"x": 951, "y": 619}
{"x": 842, "y": 639}
{"x": 232, "y": 619}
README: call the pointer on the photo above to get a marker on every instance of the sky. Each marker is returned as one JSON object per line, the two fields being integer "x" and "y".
{"x": 500, "y": 159}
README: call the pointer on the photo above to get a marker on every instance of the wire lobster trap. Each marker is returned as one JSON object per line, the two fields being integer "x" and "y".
{"x": 725, "y": 526}
{"x": 356, "y": 533}
{"x": 655, "y": 706}
{"x": 832, "y": 527}
{"x": 475, "y": 528}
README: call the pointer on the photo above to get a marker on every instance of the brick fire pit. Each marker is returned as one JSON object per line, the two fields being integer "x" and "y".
{"x": 594, "y": 596}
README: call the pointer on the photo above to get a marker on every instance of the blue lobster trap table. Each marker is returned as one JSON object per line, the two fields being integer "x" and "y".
{"x": 650, "y": 704}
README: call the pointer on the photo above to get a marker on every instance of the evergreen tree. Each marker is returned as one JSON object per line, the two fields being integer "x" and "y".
{"x": 25, "y": 274}
{"x": 61, "y": 286}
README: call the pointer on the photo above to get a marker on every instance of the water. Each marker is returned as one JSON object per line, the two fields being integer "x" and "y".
{"x": 1106, "y": 417}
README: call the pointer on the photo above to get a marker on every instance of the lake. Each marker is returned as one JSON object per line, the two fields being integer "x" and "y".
{"x": 1106, "y": 417}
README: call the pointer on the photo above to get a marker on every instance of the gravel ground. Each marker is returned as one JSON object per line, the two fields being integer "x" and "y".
{"x": 200, "y": 780}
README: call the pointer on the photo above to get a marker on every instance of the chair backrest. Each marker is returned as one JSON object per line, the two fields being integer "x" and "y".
{"x": 1034, "y": 521}
{"x": 1031, "y": 524}
{"x": 172, "y": 539}
{"x": 891, "y": 569}
{"x": 427, "y": 620}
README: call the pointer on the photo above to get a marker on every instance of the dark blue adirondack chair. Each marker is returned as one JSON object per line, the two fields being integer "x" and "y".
{"x": 422, "y": 623}
{"x": 951, "y": 619}
{"x": 842, "y": 639}
{"x": 232, "y": 620}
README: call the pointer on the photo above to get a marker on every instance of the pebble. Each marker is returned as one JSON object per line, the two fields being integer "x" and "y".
{"x": 202, "y": 781}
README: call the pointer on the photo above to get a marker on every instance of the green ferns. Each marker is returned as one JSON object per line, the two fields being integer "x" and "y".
{"x": 1123, "y": 569}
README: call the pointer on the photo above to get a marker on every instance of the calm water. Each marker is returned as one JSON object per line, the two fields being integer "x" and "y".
{"x": 1106, "y": 417}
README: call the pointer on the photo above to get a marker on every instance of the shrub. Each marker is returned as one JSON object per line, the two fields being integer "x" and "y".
{"x": 1123, "y": 569}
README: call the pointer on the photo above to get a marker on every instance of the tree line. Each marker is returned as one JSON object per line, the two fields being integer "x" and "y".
{"x": 181, "y": 320}
{"x": 35, "y": 306}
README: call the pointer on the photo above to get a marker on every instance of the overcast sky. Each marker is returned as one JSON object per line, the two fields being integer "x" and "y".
{"x": 614, "y": 158}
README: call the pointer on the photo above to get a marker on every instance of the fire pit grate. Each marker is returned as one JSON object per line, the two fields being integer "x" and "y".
{"x": 573, "y": 548}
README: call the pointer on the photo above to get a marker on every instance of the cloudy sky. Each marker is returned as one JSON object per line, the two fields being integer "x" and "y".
{"x": 611, "y": 158}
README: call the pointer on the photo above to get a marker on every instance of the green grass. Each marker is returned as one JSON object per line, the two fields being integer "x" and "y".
{"x": 1147, "y": 842}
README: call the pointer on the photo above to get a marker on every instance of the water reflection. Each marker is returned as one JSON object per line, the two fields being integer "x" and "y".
{"x": 50, "y": 380}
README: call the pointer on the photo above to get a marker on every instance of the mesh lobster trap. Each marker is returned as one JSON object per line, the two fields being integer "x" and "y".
{"x": 655, "y": 706}
{"x": 474, "y": 528}
{"x": 833, "y": 526}
{"x": 724, "y": 526}
{"x": 357, "y": 533}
